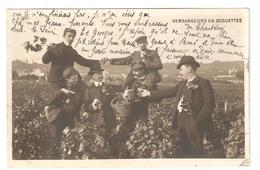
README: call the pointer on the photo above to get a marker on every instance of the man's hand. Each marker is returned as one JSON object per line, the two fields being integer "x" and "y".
{"x": 104, "y": 60}
{"x": 97, "y": 105}
{"x": 127, "y": 93}
{"x": 143, "y": 92}
{"x": 67, "y": 91}
{"x": 46, "y": 110}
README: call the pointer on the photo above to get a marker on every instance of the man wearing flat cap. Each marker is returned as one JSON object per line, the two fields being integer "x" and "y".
{"x": 139, "y": 107}
{"x": 195, "y": 104}
{"x": 150, "y": 58}
{"x": 61, "y": 56}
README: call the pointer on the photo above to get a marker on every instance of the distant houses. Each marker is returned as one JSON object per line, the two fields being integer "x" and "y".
{"x": 29, "y": 71}
{"x": 38, "y": 72}
{"x": 232, "y": 71}
{"x": 21, "y": 73}
{"x": 35, "y": 74}
{"x": 232, "y": 76}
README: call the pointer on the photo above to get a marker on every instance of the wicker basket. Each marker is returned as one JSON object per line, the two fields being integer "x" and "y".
{"x": 121, "y": 110}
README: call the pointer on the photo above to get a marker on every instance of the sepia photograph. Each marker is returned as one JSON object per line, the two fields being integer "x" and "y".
{"x": 122, "y": 87}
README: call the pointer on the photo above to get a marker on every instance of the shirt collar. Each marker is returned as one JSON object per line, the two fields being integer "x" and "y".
{"x": 67, "y": 44}
{"x": 191, "y": 81}
{"x": 141, "y": 78}
{"x": 97, "y": 84}
{"x": 142, "y": 53}
{"x": 188, "y": 81}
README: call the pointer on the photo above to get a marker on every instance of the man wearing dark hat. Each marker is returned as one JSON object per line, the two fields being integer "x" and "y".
{"x": 150, "y": 58}
{"x": 195, "y": 103}
{"x": 61, "y": 56}
{"x": 64, "y": 107}
{"x": 98, "y": 98}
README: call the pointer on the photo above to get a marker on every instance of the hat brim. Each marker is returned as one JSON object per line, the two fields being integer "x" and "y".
{"x": 139, "y": 68}
{"x": 141, "y": 41}
{"x": 96, "y": 71}
{"x": 195, "y": 63}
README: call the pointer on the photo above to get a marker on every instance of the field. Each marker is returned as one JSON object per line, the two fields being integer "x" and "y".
{"x": 153, "y": 138}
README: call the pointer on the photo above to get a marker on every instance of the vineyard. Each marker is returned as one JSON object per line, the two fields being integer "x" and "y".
{"x": 152, "y": 138}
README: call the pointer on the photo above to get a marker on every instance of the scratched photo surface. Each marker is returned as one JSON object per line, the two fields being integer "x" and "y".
{"x": 131, "y": 98}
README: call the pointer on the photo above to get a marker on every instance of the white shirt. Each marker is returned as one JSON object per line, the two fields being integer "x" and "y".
{"x": 142, "y": 53}
{"x": 66, "y": 43}
{"x": 141, "y": 78}
{"x": 179, "y": 107}
{"x": 97, "y": 84}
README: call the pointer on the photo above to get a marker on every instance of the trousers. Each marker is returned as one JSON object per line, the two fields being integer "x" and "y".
{"x": 56, "y": 129}
{"x": 190, "y": 136}
{"x": 139, "y": 109}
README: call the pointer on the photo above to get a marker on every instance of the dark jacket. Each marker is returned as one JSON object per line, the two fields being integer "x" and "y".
{"x": 106, "y": 114}
{"x": 152, "y": 62}
{"x": 62, "y": 56}
{"x": 139, "y": 106}
{"x": 72, "y": 103}
{"x": 134, "y": 83}
{"x": 202, "y": 99}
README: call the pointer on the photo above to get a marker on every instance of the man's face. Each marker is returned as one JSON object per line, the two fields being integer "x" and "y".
{"x": 142, "y": 46}
{"x": 184, "y": 71}
{"x": 138, "y": 73}
{"x": 69, "y": 37}
{"x": 98, "y": 77}
{"x": 72, "y": 80}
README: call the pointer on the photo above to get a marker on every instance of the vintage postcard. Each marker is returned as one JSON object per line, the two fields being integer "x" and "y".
{"x": 128, "y": 87}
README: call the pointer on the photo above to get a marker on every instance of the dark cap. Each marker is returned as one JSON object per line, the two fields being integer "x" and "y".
{"x": 141, "y": 39}
{"x": 69, "y": 71}
{"x": 188, "y": 60}
{"x": 137, "y": 66}
{"x": 69, "y": 30}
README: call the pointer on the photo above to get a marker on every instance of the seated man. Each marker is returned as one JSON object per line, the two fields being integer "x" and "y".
{"x": 139, "y": 79}
{"x": 65, "y": 106}
{"x": 139, "y": 107}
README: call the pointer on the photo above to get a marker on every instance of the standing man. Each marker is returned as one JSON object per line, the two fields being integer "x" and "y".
{"x": 150, "y": 58}
{"x": 61, "y": 56}
{"x": 98, "y": 98}
{"x": 195, "y": 104}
